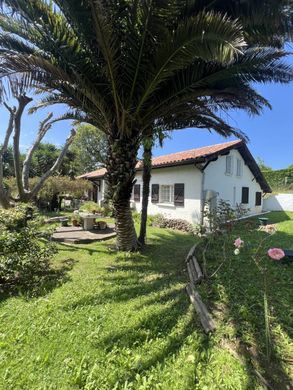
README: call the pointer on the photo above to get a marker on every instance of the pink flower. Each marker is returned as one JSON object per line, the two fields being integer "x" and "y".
{"x": 238, "y": 243}
{"x": 276, "y": 253}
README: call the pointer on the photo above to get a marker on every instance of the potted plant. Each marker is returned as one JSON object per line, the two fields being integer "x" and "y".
{"x": 75, "y": 219}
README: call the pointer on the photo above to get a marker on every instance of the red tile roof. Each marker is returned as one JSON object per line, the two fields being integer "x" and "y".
{"x": 175, "y": 158}
{"x": 98, "y": 173}
{"x": 192, "y": 154}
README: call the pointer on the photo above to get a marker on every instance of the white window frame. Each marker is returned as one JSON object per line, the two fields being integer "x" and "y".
{"x": 171, "y": 194}
{"x": 227, "y": 172}
{"x": 239, "y": 167}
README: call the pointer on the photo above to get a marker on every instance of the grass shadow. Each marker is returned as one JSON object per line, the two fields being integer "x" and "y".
{"x": 141, "y": 280}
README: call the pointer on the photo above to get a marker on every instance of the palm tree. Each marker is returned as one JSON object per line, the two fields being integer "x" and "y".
{"x": 125, "y": 66}
{"x": 261, "y": 20}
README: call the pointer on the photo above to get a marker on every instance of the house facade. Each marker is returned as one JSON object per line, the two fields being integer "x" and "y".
{"x": 182, "y": 183}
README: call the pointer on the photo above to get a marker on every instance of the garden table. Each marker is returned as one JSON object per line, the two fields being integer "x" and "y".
{"x": 88, "y": 220}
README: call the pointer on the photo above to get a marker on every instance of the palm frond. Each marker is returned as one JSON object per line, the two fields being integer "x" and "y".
{"x": 207, "y": 36}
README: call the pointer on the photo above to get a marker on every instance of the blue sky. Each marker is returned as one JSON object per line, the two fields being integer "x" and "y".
{"x": 271, "y": 134}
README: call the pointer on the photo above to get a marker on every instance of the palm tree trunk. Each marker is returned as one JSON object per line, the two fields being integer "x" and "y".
{"x": 120, "y": 177}
{"x": 146, "y": 177}
{"x": 126, "y": 234}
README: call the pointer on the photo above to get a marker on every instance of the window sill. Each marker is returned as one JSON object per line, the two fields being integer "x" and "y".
{"x": 171, "y": 205}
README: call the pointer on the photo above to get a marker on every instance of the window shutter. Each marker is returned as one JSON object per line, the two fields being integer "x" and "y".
{"x": 258, "y": 198}
{"x": 245, "y": 195}
{"x": 136, "y": 192}
{"x": 179, "y": 194}
{"x": 155, "y": 193}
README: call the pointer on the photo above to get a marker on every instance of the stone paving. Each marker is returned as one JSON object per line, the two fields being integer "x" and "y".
{"x": 76, "y": 235}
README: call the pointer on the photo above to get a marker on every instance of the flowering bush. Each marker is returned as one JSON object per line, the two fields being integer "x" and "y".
{"x": 276, "y": 253}
{"x": 258, "y": 255}
{"x": 238, "y": 243}
{"x": 23, "y": 254}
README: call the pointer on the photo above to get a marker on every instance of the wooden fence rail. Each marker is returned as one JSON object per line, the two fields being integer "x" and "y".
{"x": 195, "y": 277}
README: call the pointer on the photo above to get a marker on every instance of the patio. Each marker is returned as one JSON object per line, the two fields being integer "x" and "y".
{"x": 77, "y": 235}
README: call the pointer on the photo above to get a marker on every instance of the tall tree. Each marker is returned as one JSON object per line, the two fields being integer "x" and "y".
{"x": 89, "y": 148}
{"x": 148, "y": 144}
{"x": 123, "y": 66}
{"x": 44, "y": 157}
{"x": 22, "y": 168}
{"x": 260, "y": 19}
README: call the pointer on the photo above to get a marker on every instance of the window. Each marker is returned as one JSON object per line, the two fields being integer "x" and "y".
{"x": 239, "y": 167}
{"x": 166, "y": 194}
{"x": 258, "y": 198}
{"x": 155, "y": 193}
{"x": 245, "y": 195}
{"x": 179, "y": 194}
{"x": 229, "y": 165}
{"x": 136, "y": 192}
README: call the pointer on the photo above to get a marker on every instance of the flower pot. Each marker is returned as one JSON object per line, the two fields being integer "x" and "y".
{"x": 102, "y": 225}
{"x": 75, "y": 222}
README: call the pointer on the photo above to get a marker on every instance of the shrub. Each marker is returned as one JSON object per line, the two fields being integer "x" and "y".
{"x": 221, "y": 217}
{"x": 90, "y": 207}
{"x": 23, "y": 254}
{"x": 108, "y": 210}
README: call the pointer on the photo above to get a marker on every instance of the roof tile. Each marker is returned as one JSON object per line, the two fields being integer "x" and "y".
{"x": 174, "y": 158}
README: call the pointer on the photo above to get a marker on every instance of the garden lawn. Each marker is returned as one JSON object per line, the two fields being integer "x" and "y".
{"x": 106, "y": 320}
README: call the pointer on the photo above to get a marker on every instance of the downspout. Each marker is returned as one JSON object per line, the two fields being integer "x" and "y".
{"x": 202, "y": 196}
{"x": 202, "y": 170}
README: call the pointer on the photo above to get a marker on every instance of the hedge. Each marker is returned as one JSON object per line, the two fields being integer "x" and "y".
{"x": 281, "y": 179}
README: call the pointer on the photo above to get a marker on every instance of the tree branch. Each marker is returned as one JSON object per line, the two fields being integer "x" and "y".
{"x": 23, "y": 101}
{"x": 44, "y": 126}
{"x": 55, "y": 166}
{"x": 4, "y": 198}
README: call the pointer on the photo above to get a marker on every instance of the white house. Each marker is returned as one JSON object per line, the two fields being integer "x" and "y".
{"x": 182, "y": 182}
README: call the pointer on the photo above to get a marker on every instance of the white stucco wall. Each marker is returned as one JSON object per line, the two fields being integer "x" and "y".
{"x": 191, "y": 177}
{"x": 229, "y": 187}
{"x": 279, "y": 202}
{"x": 214, "y": 179}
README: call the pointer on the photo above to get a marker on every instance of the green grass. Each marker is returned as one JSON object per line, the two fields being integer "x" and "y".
{"x": 106, "y": 320}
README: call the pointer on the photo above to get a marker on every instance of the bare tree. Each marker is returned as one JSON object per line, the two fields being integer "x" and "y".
{"x": 21, "y": 171}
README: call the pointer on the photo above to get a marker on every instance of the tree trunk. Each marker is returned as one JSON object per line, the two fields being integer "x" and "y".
{"x": 23, "y": 101}
{"x": 126, "y": 234}
{"x": 120, "y": 177}
{"x": 4, "y": 194}
{"x": 45, "y": 125}
{"x": 146, "y": 177}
